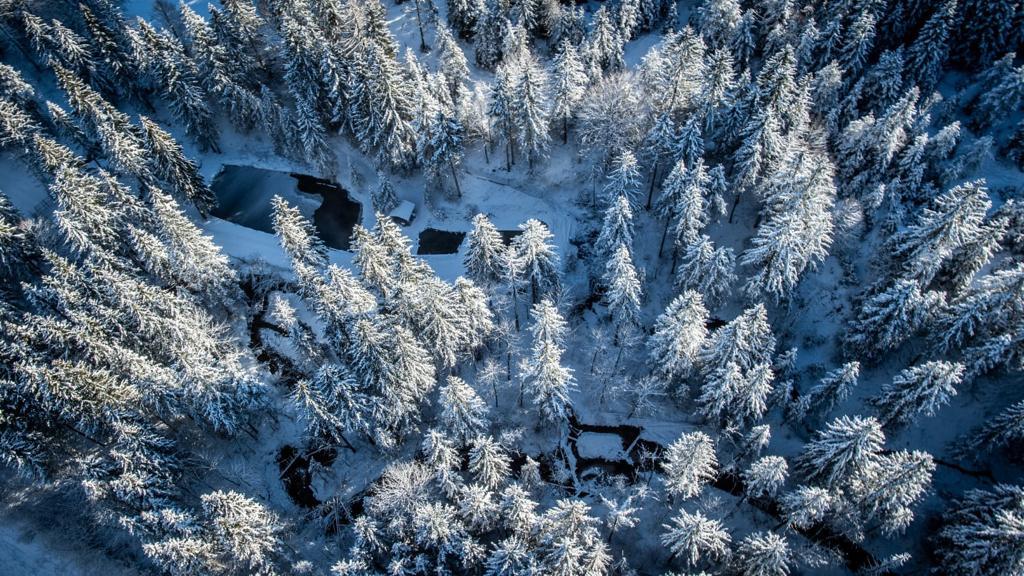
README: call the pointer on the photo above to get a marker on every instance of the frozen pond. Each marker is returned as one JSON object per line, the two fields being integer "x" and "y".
{"x": 244, "y": 193}
{"x": 434, "y": 241}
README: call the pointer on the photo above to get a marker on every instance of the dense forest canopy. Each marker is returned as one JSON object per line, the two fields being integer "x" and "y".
{"x": 741, "y": 288}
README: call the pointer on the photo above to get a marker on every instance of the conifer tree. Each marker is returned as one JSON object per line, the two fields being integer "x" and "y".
{"x": 297, "y": 236}
{"x": 707, "y": 270}
{"x": 172, "y": 166}
{"x": 244, "y": 529}
{"x": 570, "y": 81}
{"x": 531, "y": 108}
{"x": 981, "y": 533}
{"x": 918, "y": 390}
{"x": 623, "y": 291}
{"x": 178, "y": 77}
{"x": 463, "y": 15}
{"x": 845, "y": 447}
{"x": 535, "y": 259}
{"x": 689, "y": 464}
{"x": 763, "y": 554}
{"x": 486, "y": 253}
{"x": 765, "y": 476}
{"x": 623, "y": 179}
{"x": 888, "y": 317}
{"x": 463, "y": 413}
{"x": 488, "y": 462}
{"x": 617, "y": 227}
{"x": 549, "y": 382}
{"x": 930, "y": 49}
{"x": 502, "y": 108}
{"x": 679, "y": 334}
{"x": 834, "y": 387}
{"x": 885, "y": 492}
{"x": 954, "y": 221}
{"x": 692, "y": 537}
{"x": 806, "y": 505}
{"x": 604, "y": 43}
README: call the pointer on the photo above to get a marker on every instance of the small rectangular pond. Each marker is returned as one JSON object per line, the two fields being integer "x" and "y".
{"x": 244, "y": 194}
{"x": 434, "y": 241}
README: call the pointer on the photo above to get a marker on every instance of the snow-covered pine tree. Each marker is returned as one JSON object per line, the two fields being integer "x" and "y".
{"x": 441, "y": 147}
{"x": 178, "y": 77}
{"x": 763, "y": 554}
{"x": 765, "y": 476}
{"x": 981, "y": 532}
{"x": 382, "y": 106}
{"x": 298, "y": 238}
{"x": 918, "y": 390}
{"x": 548, "y": 381}
{"x": 453, "y": 65}
{"x": 570, "y": 82}
{"x": 488, "y": 462}
{"x": 806, "y": 505}
{"x": 890, "y": 316}
{"x": 502, "y": 109}
{"x": 492, "y": 26}
{"x": 463, "y": 15}
{"x": 658, "y": 147}
{"x": 384, "y": 198}
{"x": 689, "y": 143}
{"x": 691, "y": 209}
{"x": 679, "y": 334}
{"x": 689, "y": 463}
{"x": 707, "y": 270}
{"x": 797, "y": 232}
{"x": 112, "y": 49}
{"x": 172, "y": 166}
{"x": 535, "y": 259}
{"x": 998, "y": 432}
{"x": 195, "y": 262}
{"x": 746, "y": 341}
{"x": 463, "y": 413}
{"x": 623, "y": 291}
{"x": 569, "y": 542}
{"x": 531, "y": 107}
{"x": 930, "y": 48}
{"x": 623, "y": 179}
{"x": 952, "y": 221}
{"x": 884, "y": 82}
{"x": 389, "y": 363}
{"x": 604, "y": 43}
{"x": 118, "y": 137}
{"x": 617, "y": 227}
{"x": 845, "y": 446}
{"x": 486, "y": 253}
{"x": 246, "y": 531}
{"x": 693, "y": 537}
{"x": 886, "y": 491}
{"x": 988, "y": 311}
{"x": 331, "y": 405}
{"x": 834, "y": 387}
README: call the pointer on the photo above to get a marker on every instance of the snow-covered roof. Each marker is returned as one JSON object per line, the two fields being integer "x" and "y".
{"x": 403, "y": 211}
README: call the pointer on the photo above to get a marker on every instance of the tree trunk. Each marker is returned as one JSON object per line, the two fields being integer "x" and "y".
{"x": 455, "y": 177}
{"x": 650, "y": 193}
{"x": 565, "y": 130}
{"x": 664, "y": 234}
{"x": 735, "y": 203}
{"x": 419, "y": 22}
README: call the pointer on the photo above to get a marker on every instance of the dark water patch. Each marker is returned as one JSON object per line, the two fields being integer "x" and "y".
{"x": 507, "y": 236}
{"x": 296, "y": 477}
{"x": 244, "y": 194}
{"x": 337, "y": 215}
{"x": 434, "y": 241}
